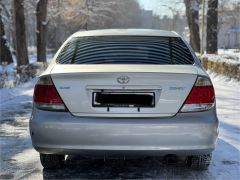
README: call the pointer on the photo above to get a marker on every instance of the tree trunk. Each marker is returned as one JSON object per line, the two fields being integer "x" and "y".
{"x": 12, "y": 32}
{"x": 19, "y": 27}
{"x": 212, "y": 27}
{"x": 41, "y": 13}
{"x": 5, "y": 53}
{"x": 192, "y": 12}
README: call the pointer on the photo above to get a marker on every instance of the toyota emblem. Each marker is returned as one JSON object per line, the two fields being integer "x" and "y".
{"x": 123, "y": 79}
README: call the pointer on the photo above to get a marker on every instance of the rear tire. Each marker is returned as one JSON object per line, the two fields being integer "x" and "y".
{"x": 200, "y": 162}
{"x": 52, "y": 161}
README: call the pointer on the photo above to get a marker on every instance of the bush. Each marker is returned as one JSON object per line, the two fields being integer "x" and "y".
{"x": 227, "y": 69}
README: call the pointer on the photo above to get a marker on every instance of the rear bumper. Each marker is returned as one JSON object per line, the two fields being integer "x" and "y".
{"x": 183, "y": 134}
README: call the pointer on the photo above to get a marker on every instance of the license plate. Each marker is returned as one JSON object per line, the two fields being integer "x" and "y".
{"x": 123, "y": 99}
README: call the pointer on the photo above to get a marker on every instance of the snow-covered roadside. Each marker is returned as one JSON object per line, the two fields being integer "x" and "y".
{"x": 226, "y": 157}
{"x": 21, "y": 91}
{"x": 15, "y": 109}
{"x": 9, "y": 76}
{"x": 229, "y": 56}
{"x": 19, "y": 160}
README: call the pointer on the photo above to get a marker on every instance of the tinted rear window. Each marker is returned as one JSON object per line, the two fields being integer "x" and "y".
{"x": 125, "y": 50}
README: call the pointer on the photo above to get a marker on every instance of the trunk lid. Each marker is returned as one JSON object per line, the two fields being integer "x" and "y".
{"x": 170, "y": 85}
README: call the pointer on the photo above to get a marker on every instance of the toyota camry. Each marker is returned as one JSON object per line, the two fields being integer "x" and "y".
{"x": 124, "y": 92}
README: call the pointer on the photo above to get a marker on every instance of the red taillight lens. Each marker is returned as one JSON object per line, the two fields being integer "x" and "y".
{"x": 46, "y": 96}
{"x": 201, "y": 97}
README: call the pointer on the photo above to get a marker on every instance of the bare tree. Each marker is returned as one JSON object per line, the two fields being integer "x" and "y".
{"x": 5, "y": 53}
{"x": 41, "y": 13}
{"x": 212, "y": 27}
{"x": 19, "y": 27}
{"x": 192, "y": 12}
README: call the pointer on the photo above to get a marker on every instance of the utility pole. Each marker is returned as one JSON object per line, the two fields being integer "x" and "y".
{"x": 203, "y": 27}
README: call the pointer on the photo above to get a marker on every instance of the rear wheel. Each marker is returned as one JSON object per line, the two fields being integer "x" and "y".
{"x": 52, "y": 161}
{"x": 200, "y": 162}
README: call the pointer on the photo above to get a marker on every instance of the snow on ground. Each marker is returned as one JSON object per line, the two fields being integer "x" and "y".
{"x": 231, "y": 56}
{"x": 8, "y": 75}
{"x": 19, "y": 160}
{"x": 32, "y": 59}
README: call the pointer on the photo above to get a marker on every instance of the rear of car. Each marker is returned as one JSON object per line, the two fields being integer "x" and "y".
{"x": 124, "y": 92}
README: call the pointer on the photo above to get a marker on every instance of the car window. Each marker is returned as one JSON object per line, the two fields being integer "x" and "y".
{"x": 125, "y": 50}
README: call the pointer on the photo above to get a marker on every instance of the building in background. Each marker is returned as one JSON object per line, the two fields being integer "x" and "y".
{"x": 229, "y": 36}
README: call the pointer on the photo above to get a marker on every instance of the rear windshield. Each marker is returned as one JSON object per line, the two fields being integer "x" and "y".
{"x": 125, "y": 50}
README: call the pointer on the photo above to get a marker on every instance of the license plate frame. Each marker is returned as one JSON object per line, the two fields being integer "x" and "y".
{"x": 145, "y": 95}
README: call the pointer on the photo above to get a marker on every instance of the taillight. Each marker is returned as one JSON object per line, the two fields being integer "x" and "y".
{"x": 201, "y": 97}
{"x": 46, "y": 96}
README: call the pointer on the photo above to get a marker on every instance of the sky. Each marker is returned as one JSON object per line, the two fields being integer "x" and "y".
{"x": 163, "y": 7}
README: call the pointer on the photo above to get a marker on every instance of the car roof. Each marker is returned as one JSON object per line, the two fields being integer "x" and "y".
{"x": 126, "y": 32}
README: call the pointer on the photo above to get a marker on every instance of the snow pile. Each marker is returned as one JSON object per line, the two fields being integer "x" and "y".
{"x": 230, "y": 56}
{"x": 7, "y": 75}
{"x": 11, "y": 75}
{"x": 18, "y": 94}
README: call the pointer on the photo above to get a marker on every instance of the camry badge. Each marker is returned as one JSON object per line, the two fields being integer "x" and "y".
{"x": 123, "y": 79}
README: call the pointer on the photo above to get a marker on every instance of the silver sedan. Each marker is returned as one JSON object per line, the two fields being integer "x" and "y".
{"x": 125, "y": 92}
